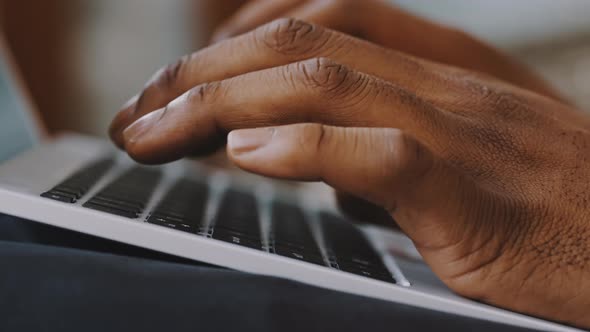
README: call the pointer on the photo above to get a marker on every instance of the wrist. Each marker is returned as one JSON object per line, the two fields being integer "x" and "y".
{"x": 550, "y": 276}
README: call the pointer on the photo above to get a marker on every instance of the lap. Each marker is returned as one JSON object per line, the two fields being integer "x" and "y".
{"x": 54, "y": 279}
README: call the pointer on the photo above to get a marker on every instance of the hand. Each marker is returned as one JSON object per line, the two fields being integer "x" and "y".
{"x": 489, "y": 180}
{"x": 381, "y": 23}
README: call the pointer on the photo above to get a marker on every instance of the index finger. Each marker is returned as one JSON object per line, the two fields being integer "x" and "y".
{"x": 279, "y": 43}
{"x": 316, "y": 90}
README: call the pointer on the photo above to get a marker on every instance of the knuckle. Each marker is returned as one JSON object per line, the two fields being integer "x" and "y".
{"x": 205, "y": 93}
{"x": 164, "y": 80}
{"x": 495, "y": 99}
{"x": 311, "y": 137}
{"x": 169, "y": 76}
{"x": 508, "y": 106}
{"x": 292, "y": 37}
{"x": 329, "y": 76}
{"x": 476, "y": 84}
{"x": 511, "y": 108}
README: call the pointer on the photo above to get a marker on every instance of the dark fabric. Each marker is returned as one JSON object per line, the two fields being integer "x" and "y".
{"x": 56, "y": 280}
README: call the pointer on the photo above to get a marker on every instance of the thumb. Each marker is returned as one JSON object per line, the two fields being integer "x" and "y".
{"x": 426, "y": 196}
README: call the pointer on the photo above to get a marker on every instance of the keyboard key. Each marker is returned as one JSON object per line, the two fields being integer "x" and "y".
{"x": 124, "y": 205}
{"x": 71, "y": 190}
{"x": 78, "y": 184}
{"x": 128, "y": 194}
{"x": 117, "y": 205}
{"x": 361, "y": 270}
{"x": 111, "y": 210}
{"x": 299, "y": 254}
{"x": 182, "y": 207}
{"x": 59, "y": 197}
{"x": 238, "y": 212}
{"x": 174, "y": 223}
{"x": 170, "y": 214}
{"x": 289, "y": 228}
{"x": 124, "y": 200}
{"x": 346, "y": 242}
{"x": 351, "y": 249}
{"x": 375, "y": 268}
{"x": 170, "y": 218}
{"x": 237, "y": 238}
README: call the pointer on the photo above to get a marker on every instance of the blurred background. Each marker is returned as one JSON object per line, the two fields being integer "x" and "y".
{"x": 83, "y": 58}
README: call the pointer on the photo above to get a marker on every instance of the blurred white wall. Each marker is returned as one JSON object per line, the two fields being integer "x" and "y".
{"x": 509, "y": 23}
{"x": 117, "y": 46}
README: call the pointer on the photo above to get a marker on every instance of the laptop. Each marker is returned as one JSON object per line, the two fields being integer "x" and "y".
{"x": 210, "y": 215}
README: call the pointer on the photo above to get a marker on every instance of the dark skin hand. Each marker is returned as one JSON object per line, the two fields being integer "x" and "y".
{"x": 386, "y": 25}
{"x": 487, "y": 175}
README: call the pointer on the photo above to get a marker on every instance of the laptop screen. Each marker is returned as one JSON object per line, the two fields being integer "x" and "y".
{"x": 17, "y": 129}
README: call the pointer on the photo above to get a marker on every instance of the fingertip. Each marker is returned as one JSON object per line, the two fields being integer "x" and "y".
{"x": 148, "y": 152}
{"x": 117, "y": 126}
{"x": 254, "y": 150}
{"x": 120, "y": 122}
{"x": 139, "y": 154}
{"x": 244, "y": 141}
{"x": 134, "y": 132}
{"x": 230, "y": 145}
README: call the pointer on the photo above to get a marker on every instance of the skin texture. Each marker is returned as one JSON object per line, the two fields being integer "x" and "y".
{"x": 383, "y": 24}
{"x": 487, "y": 173}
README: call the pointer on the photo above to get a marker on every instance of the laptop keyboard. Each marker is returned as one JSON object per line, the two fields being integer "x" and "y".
{"x": 236, "y": 219}
{"x": 182, "y": 207}
{"x": 350, "y": 249}
{"x": 77, "y": 185}
{"x": 128, "y": 195}
{"x": 290, "y": 234}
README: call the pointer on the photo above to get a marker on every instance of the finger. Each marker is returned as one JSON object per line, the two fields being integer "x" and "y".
{"x": 377, "y": 21}
{"x": 252, "y": 15}
{"x": 316, "y": 90}
{"x": 389, "y": 26}
{"x": 279, "y": 43}
{"x": 381, "y": 165}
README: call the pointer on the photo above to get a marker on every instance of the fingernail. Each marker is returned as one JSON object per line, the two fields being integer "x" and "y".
{"x": 248, "y": 140}
{"x": 142, "y": 126}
